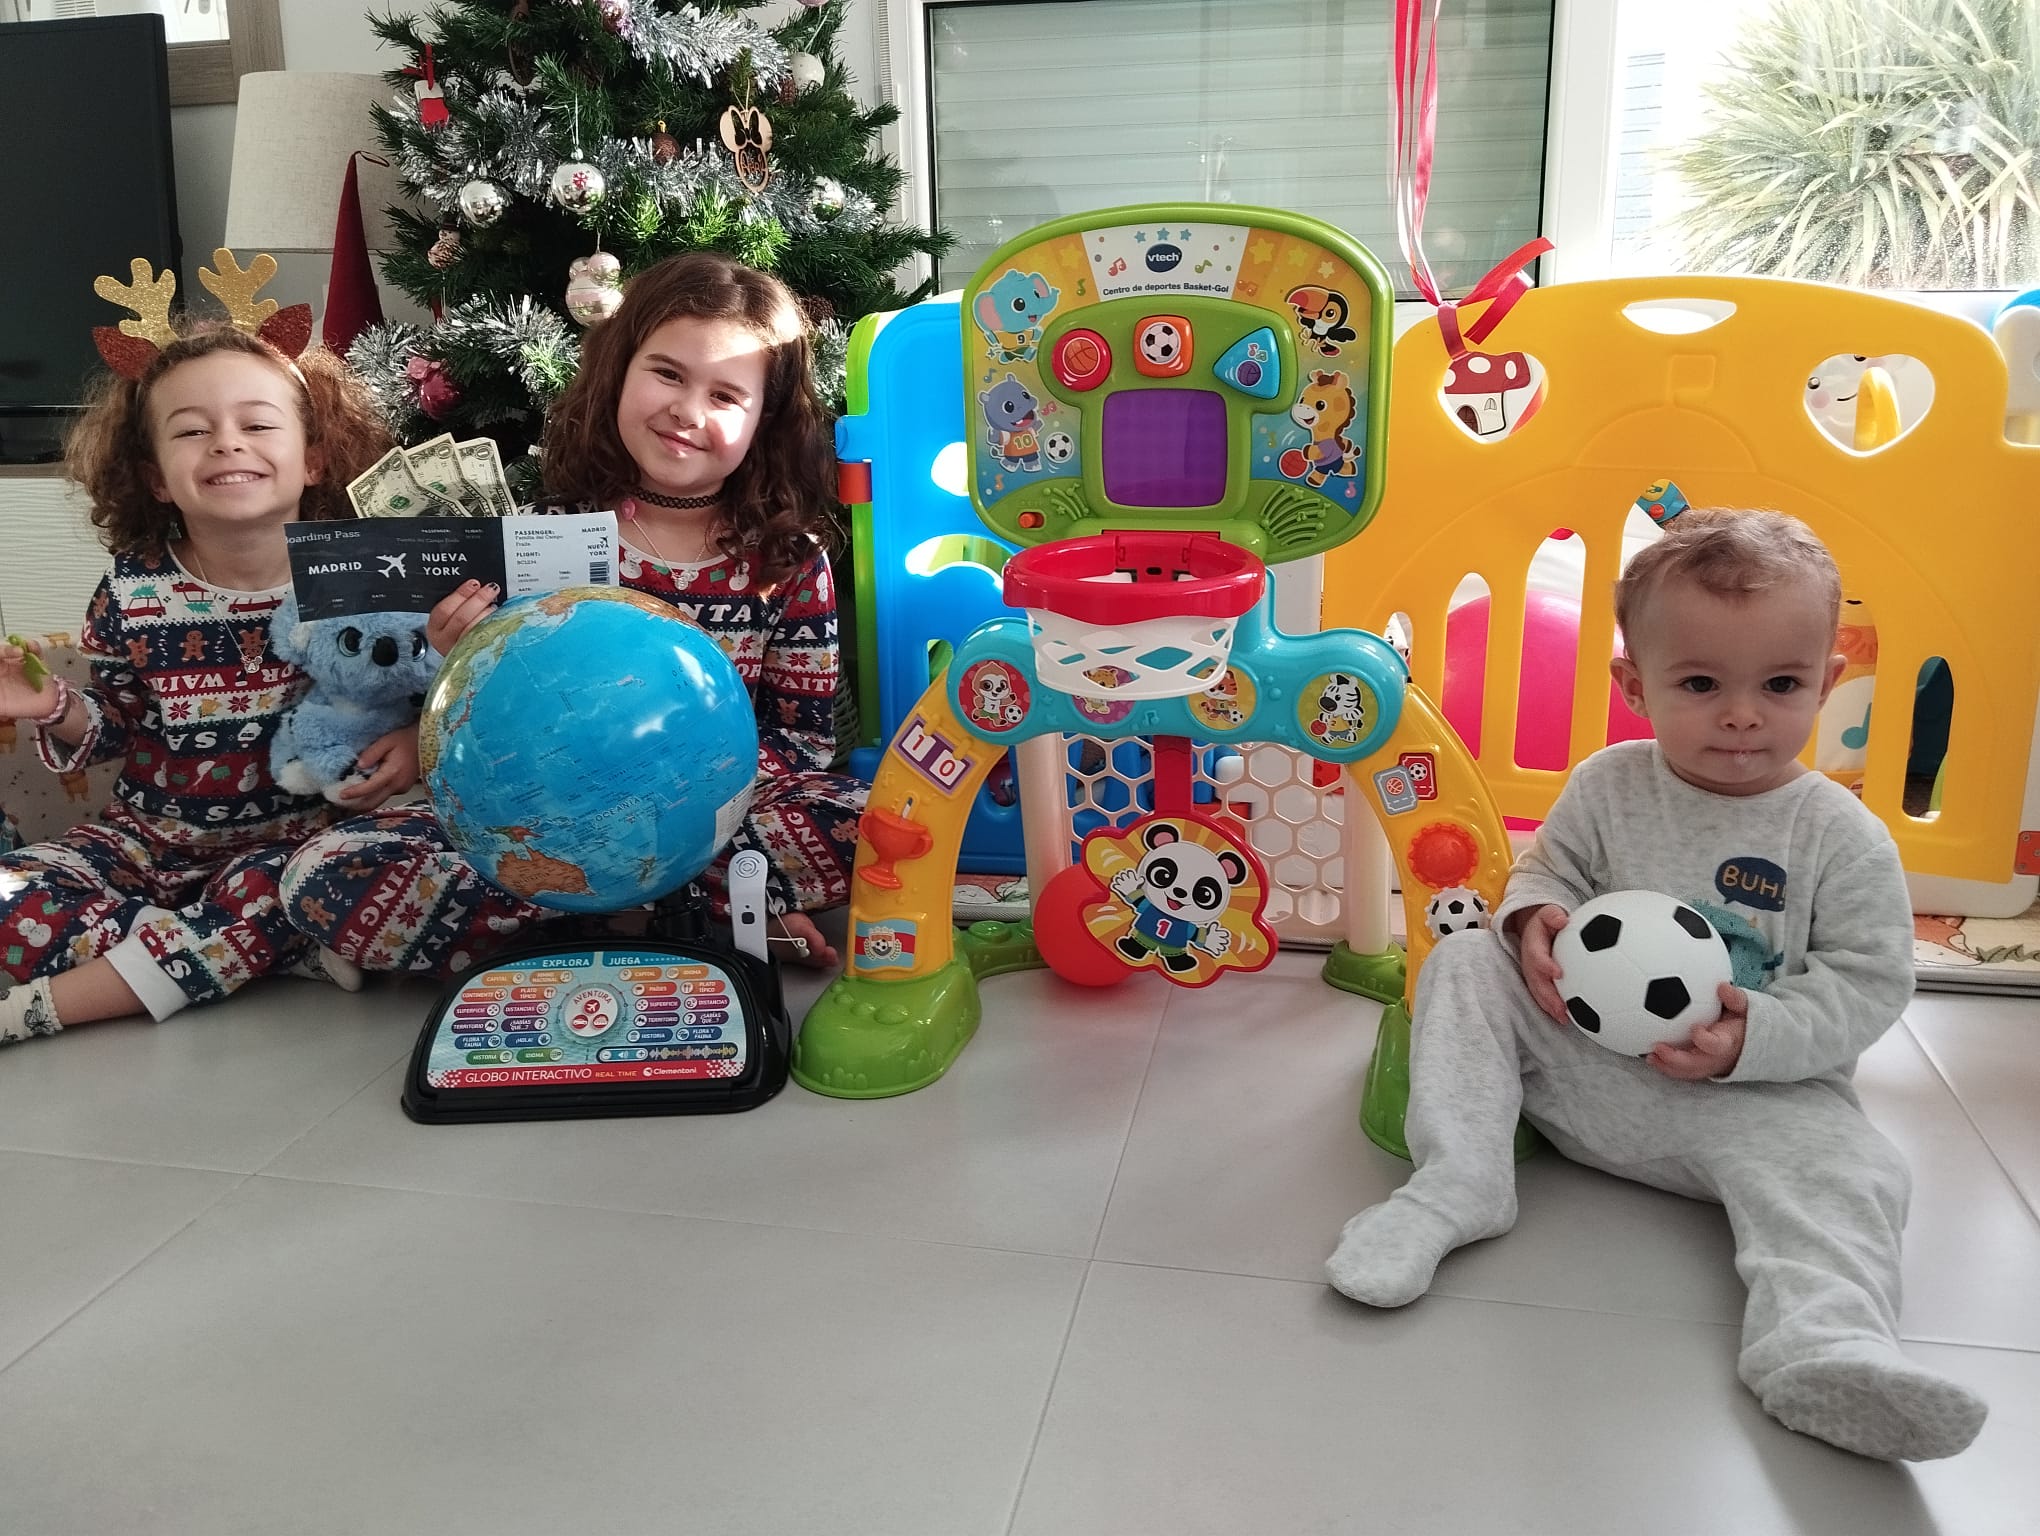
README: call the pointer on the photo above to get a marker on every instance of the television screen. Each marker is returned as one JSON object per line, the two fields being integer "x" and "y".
{"x": 87, "y": 185}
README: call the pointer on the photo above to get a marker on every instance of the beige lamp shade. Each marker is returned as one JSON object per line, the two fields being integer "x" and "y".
{"x": 293, "y": 132}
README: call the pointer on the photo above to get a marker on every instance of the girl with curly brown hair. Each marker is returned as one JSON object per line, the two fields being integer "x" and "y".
{"x": 694, "y": 418}
{"x": 195, "y": 462}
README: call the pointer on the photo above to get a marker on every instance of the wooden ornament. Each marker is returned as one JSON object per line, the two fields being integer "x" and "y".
{"x": 747, "y": 135}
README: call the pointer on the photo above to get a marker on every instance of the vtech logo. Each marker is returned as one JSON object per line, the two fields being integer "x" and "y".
{"x": 1163, "y": 258}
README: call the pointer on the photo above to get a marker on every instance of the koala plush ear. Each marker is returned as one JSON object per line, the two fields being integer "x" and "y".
{"x": 288, "y": 636}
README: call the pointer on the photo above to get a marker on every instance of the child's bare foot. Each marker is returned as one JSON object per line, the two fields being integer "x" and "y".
{"x": 821, "y": 955}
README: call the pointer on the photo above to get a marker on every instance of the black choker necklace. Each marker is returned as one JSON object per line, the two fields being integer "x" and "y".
{"x": 678, "y": 503}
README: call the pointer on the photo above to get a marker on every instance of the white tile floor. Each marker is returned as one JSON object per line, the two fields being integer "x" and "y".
{"x": 1073, "y": 1288}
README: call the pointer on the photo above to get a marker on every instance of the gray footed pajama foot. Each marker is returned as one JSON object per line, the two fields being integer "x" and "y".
{"x": 1868, "y": 1398}
{"x": 1389, "y": 1252}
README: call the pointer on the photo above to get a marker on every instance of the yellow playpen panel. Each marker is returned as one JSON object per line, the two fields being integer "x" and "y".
{"x": 1936, "y": 531}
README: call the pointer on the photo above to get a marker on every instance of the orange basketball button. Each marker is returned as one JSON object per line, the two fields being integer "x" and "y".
{"x": 1082, "y": 359}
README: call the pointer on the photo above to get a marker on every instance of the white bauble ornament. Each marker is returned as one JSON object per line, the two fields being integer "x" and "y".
{"x": 482, "y": 203}
{"x": 577, "y": 186}
{"x": 807, "y": 70}
{"x": 1638, "y": 968}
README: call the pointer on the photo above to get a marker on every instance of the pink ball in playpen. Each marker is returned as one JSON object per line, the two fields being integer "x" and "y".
{"x": 1551, "y": 627}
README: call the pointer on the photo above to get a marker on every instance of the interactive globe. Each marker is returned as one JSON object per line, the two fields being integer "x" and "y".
{"x": 590, "y": 750}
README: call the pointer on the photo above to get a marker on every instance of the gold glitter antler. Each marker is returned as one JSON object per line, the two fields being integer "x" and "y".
{"x": 149, "y": 297}
{"x": 132, "y": 345}
{"x": 288, "y": 330}
{"x": 236, "y": 287}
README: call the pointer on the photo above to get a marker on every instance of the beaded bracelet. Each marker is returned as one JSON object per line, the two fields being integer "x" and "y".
{"x": 56, "y": 716}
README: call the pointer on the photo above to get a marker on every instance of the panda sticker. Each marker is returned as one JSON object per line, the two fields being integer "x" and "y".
{"x": 1178, "y": 891}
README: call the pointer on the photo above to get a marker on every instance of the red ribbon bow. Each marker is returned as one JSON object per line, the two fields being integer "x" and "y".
{"x": 424, "y": 71}
{"x": 1415, "y": 136}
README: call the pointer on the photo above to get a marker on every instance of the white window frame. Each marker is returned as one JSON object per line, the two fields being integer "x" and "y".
{"x": 1582, "y": 67}
{"x": 1579, "y": 142}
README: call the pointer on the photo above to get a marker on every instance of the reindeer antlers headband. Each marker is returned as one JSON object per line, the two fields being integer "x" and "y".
{"x": 131, "y": 346}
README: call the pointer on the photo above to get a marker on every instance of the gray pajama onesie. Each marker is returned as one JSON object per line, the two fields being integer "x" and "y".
{"x": 1816, "y": 1197}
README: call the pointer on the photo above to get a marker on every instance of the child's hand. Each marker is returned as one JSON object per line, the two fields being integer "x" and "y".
{"x": 1715, "y": 1048}
{"x": 1534, "y": 932}
{"x": 391, "y": 763}
{"x": 26, "y": 690}
{"x": 458, "y": 612}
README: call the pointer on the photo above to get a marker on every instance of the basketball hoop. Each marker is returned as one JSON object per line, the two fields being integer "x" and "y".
{"x": 1136, "y": 615}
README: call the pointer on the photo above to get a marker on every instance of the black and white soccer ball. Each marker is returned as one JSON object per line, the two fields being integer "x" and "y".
{"x": 1060, "y": 447}
{"x": 1159, "y": 342}
{"x": 1454, "y": 910}
{"x": 1637, "y": 968}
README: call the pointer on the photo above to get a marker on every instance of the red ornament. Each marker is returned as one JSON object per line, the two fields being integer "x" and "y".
{"x": 438, "y": 395}
{"x": 432, "y": 109}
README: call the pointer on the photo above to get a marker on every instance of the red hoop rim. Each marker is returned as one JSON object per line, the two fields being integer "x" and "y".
{"x": 1172, "y": 574}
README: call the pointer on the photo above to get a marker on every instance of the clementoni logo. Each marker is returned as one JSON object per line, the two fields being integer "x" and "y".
{"x": 1164, "y": 258}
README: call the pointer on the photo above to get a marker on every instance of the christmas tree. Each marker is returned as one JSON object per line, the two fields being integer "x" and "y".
{"x": 558, "y": 146}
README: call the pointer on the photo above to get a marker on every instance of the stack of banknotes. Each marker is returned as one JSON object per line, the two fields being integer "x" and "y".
{"x": 439, "y": 478}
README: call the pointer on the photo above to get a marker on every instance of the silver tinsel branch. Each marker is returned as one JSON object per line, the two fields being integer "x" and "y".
{"x": 509, "y": 141}
{"x": 542, "y": 348}
{"x": 681, "y": 181}
{"x": 522, "y": 337}
{"x": 830, "y": 344}
{"x": 694, "y": 44}
{"x": 377, "y": 358}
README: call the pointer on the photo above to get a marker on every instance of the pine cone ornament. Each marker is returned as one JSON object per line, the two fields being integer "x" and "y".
{"x": 445, "y": 250}
{"x": 817, "y": 308}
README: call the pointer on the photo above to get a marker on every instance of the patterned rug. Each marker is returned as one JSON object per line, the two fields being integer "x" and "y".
{"x": 1979, "y": 954}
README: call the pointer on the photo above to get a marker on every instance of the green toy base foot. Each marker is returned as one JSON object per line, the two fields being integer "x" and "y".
{"x": 994, "y": 948}
{"x": 1385, "y": 1100}
{"x": 876, "y": 1039}
{"x": 1380, "y": 976}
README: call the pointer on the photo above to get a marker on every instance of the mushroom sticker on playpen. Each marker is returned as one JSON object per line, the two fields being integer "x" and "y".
{"x": 1492, "y": 394}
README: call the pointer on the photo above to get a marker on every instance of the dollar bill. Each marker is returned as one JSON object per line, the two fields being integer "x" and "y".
{"x": 482, "y": 467}
{"x": 437, "y": 469}
{"x": 388, "y": 488}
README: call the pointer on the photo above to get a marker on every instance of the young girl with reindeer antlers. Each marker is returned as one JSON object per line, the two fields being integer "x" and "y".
{"x": 196, "y": 451}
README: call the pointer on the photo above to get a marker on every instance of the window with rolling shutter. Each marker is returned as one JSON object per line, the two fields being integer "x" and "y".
{"x": 1049, "y": 107}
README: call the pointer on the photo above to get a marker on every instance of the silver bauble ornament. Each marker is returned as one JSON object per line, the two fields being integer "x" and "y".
{"x": 594, "y": 287}
{"x": 828, "y": 195}
{"x": 577, "y": 186}
{"x": 482, "y": 203}
{"x": 807, "y": 70}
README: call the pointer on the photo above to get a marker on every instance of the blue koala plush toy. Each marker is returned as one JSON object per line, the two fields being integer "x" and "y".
{"x": 369, "y": 673}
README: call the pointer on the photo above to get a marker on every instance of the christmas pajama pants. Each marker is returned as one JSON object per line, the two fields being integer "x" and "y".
{"x": 178, "y": 929}
{"x": 1815, "y": 1195}
{"x": 389, "y": 891}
